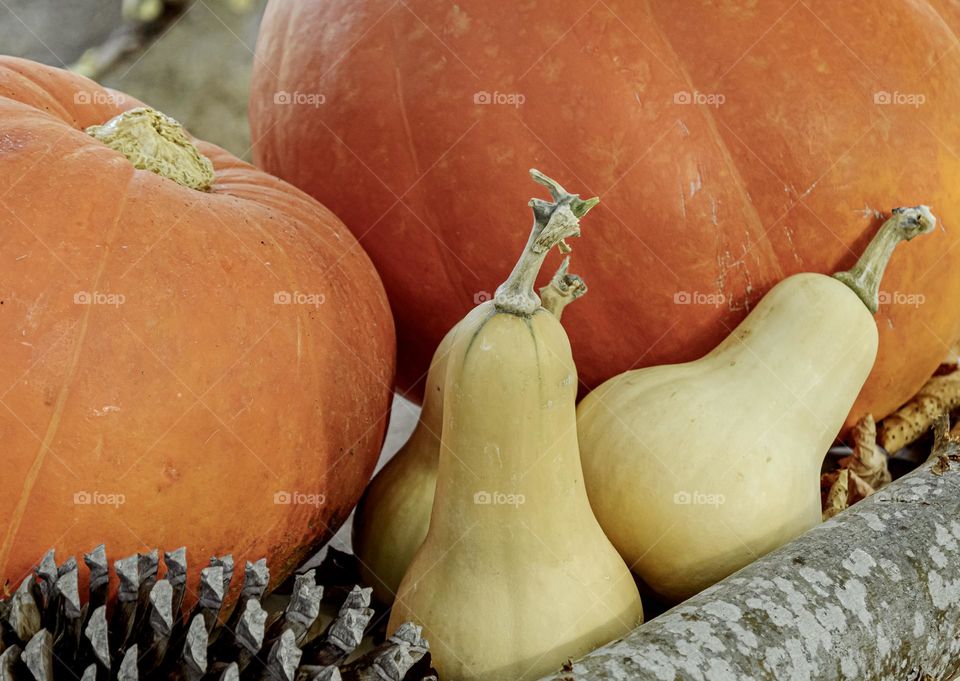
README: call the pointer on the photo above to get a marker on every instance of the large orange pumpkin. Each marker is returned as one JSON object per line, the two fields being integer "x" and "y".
{"x": 179, "y": 367}
{"x": 732, "y": 144}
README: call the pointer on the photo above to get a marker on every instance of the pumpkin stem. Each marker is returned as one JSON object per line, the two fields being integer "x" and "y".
{"x": 864, "y": 277}
{"x": 553, "y": 222}
{"x": 153, "y": 141}
{"x": 562, "y": 290}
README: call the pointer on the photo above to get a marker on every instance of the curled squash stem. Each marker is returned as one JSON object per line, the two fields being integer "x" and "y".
{"x": 553, "y": 222}
{"x": 562, "y": 290}
{"x": 864, "y": 277}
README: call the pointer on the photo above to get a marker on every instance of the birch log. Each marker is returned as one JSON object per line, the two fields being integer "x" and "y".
{"x": 874, "y": 593}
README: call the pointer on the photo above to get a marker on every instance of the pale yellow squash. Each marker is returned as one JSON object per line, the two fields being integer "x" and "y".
{"x": 515, "y": 575}
{"x": 393, "y": 516}
{"x": 696, "y": 469}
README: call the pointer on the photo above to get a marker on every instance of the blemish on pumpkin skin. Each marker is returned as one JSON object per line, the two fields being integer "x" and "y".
{"x": 457, "y": 23}
{"x": 170, "y": 472}
{"x": 98, "y": 448}
{"x": 820, "y": 65}
{"x": 696, "y": 185}
{"x": 10, "y": 142}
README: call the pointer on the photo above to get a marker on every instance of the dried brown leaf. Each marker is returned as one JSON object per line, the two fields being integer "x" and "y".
{"x": 859, "y": 488}
{"x": 868, "y": 461}
{"x": 838, "y": 498}
{"x": 941, "y": 465}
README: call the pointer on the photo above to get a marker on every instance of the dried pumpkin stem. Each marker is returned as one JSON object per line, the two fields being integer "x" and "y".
{"x": 553, "y": 221}
{"x": 941, "y": 394}
{"x": 153, "y": 141}
{"x": 864, "y": 277}
{"x": 562, "y": 290}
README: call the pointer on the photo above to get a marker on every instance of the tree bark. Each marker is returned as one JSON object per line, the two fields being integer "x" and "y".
{"x": 874, "y": 593}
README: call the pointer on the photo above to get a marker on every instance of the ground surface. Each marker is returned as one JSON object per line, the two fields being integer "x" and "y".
{"x": 197, "y": 70}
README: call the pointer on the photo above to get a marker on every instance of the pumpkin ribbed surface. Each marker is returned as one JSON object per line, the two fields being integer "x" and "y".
{"x": 732, "y": 144}
{"x": 179, "y": 367}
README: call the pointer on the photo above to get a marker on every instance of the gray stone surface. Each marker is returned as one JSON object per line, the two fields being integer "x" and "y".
{"x": 872, "y": 594}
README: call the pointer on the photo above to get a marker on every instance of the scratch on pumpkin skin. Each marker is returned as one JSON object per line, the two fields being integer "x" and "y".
{"x": 16, "y": 518}
{"x": 299, "y": 343}
{"x": 793, "y": 246}
{"x": 411, "y": 147}
{"x": 809, "y": 190}
{"x": 753, "y": 224}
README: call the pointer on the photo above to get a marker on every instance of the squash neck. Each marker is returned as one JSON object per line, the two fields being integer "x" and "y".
{"x": 865, "y": 276}
{"x": 553, "y": 222}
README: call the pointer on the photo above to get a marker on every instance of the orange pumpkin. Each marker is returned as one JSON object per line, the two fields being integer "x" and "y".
{"x": 179, "y": 367}
{"x": 732, "y": 144}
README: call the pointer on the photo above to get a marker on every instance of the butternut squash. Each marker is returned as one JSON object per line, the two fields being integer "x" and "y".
{"x": 393, "y": 516}
{"x": 696, "y": 469}
{"x": 514, "y": 575}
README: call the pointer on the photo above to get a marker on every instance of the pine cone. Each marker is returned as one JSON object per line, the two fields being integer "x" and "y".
{"x": 47, "y": 634}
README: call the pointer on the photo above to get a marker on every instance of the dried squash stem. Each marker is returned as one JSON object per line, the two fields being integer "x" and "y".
{"x": 562, "y": 290}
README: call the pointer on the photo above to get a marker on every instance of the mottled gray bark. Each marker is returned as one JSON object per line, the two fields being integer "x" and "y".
{"x": 873, "y": 593}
